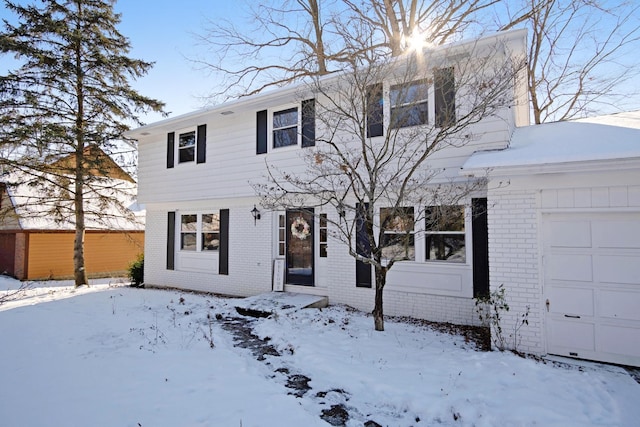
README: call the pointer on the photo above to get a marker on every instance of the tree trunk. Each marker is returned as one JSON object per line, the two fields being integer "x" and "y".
{"x": 378, "y": 314}
{"x": 79, "y": 272}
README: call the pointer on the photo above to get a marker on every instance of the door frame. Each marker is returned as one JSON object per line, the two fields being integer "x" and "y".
{"x": 293, "y": 278}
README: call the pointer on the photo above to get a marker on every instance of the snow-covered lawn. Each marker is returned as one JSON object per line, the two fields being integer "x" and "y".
{"x": 110, "y": 355}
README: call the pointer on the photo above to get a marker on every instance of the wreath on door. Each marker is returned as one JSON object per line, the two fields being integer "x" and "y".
{"x": 300, "y": 228}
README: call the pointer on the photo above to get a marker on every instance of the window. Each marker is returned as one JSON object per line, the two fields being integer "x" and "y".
{"x": 200, "y": 232}
{"x": 210, "y": 232}
{"x": 282, "y": 232}
{"x": 445, "y": 97}
{"x": 192, "y": 145}
{"x": 409, "y": 104}
{"x": 445, "y": 235}
{"x": 188, "y": 232}
{"x": 285, "y": 128}
{"x": 186, "y": 147}
{"x": 398, "y": 241}
{"x": 323, "y": 235}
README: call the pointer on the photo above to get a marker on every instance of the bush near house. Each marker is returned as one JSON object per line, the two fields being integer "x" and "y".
{"x": 136, "y": 272}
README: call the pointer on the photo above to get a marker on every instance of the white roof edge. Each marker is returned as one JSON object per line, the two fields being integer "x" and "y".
{"x": 292, "y": 88}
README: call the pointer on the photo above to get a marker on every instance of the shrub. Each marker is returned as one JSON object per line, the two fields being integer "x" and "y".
{"x": 490, "y": 309}
{"x": 136, "y": 272}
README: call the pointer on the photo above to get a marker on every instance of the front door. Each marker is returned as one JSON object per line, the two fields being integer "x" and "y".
{"x": 300, "y": 244}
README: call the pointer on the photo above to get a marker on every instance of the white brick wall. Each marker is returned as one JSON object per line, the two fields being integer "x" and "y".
{"x": 250, "y": 269}
{"x": 514, "y": 263}
{"x": 249, "y": 256}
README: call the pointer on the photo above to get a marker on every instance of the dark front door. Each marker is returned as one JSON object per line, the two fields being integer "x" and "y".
{"x": 300, "y": 244}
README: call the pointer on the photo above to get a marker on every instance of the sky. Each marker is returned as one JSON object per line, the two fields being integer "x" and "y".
{"x": 111, "y": 355}
{"x": 164, "y": 32}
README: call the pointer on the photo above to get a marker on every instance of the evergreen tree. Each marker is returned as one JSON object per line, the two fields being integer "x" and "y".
{"x": 69, "y": 93}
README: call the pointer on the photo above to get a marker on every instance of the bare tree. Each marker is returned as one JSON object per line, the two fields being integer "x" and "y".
{"x": 295, "y": 39}
{"x": 581, "y": 52}
{"x": 374, "y": 167}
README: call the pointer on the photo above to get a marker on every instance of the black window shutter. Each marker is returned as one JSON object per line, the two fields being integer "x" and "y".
{"x": 171, "y": 240}
{"x": 201, "y": 144}
{"x": 309, "y": 123}
{"x": 363, "y": 247}
{"x": 171, "y": 148}
{"x": 480, "y": 245}
{"x": 375, "y": 112}
{"x": 261, "y": 132}
{"x": 223, "y": 260}
{"x": 445, "y": 97}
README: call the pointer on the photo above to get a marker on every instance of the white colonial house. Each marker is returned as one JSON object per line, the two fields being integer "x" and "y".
{"x": 207, "y": 231}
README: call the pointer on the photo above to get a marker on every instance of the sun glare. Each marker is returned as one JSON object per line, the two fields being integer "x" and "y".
{"x": 416, "y": 41}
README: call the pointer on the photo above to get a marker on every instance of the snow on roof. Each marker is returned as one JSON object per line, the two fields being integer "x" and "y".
{"x": 41, "y": 208}
{"x": 628, "y": 119}
{"x": 561, "y": 142}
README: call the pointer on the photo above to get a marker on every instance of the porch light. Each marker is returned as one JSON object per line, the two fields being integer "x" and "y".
{"x": 256, "y": 214}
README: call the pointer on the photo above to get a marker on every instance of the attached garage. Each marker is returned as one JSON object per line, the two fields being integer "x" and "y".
{"x": 564, "y": 239}
{"x": 592, "y": 285}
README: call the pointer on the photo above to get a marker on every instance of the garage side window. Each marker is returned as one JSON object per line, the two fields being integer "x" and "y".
{"x": 445, "y": 233}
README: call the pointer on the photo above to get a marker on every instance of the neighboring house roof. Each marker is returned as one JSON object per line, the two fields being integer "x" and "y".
{"x": 97, "y": 161}
{"x": 40, "y": 201}
{"x": 33, "y": 209}
{"x": 560, "y": 143}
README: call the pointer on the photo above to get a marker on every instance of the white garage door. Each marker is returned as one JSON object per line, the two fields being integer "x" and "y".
{"x": 592, "y": 285}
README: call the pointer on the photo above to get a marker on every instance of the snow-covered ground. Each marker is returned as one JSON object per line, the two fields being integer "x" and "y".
{"x": 110, "y": 355}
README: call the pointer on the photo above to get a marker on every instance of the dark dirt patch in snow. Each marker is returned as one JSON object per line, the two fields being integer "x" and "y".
{"x": 298, "y": 383}
{"x": 479, "y": 336}
{"x": 243, "y": 337}
{"x": 337, "y": 415}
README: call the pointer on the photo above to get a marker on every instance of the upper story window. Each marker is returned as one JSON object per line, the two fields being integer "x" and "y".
{"x": 186, "y": 147}
{"x": 409, "y": 104}
{"x": 285, "y": 127}
{"x": 200, "y": 232}
{"x": 191, "y": 146}
{"x": 445, "y": 233}
{"x": 398, "y": 239}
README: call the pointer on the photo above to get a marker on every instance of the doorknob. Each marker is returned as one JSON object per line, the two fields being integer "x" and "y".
{"x": 547, "y": 304}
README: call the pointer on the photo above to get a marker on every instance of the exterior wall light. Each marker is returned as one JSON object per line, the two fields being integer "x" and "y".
{"x": 256, "y": 214}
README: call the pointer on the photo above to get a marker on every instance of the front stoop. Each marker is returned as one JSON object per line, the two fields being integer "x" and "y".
{"x": 264, "y": 305}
